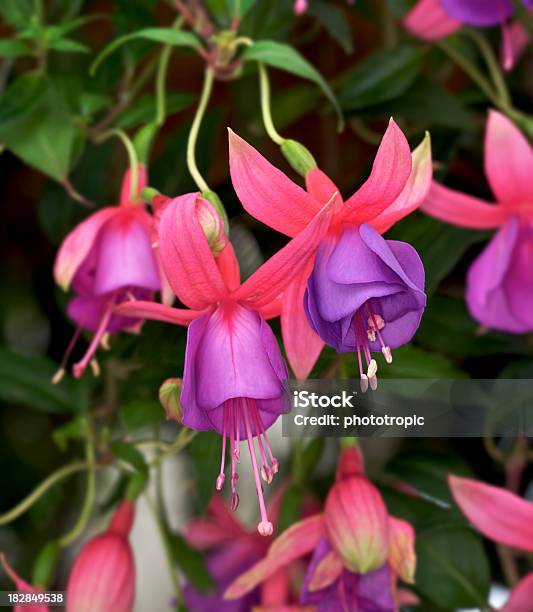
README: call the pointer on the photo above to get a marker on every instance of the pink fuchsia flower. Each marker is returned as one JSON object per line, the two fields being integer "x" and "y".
{"x": 361, "y": 293}
{"x": 358, "y": 550}
{"x": 235, "y": 379}
{"x": 502, "y": 517}
{"x": 22, "y": 587}
{"x": 436, "y": 19}
{"x": 231, "y": 550}
{"x": 500, "y": 281}
{"x": 102, "y": 578}
{"x": 108, "y": 258}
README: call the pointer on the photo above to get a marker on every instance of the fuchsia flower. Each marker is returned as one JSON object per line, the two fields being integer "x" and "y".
{"x": 362, "y": 293}
{"x": 22, "y": 587}
{"x": 359, "y": 550}
{"x": 503, "y": 517}
{"x": 234, "y": 379}
{"x": 108, "y": 258}
{"x": 500, "y": 281}
{"x": 231, "y": 550}
{"x": 435, "y": 19}
{"x": 102, "y": 578}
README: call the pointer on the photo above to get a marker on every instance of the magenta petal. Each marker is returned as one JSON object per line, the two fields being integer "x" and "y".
{"x": 231, "y": 354}
{"x": 488, "y": 289}
{"x": 124, "y": 256}
{"x": 479, "y": 12}
{"x": 518, "y": 283}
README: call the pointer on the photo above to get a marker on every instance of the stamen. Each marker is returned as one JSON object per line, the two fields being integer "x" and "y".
{"x": 266, "y": 472}
{"x": 221, "y": 477}
{"x": 375, "y": 324}
{"x": 234, "y": 476}
{"x": 79, "y": 368}
{"x": 58, "y": 376}
{"x": 265, "y": 527}
{"x": 95, "y": 367}
{"x": 274, "y": 463}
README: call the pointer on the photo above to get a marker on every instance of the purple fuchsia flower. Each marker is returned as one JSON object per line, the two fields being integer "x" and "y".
{"x": 359, "y": 552}
{"x": 499, "y": 284}
{"x": 107, "y": 259}
{"x": 361, "y": 293}
{"x": 234, "y": 379}
{"x": 435, "y": 19}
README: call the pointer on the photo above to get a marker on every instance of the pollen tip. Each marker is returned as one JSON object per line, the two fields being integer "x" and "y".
{"x": 104, "y": 342}
{"x": 364, "y": 383}
{"x": 275, "y": 465}
{"x": 234, "y": 501}
{"x": 266, "y": 474}
{"x": 220, "y": 481}
{"x": 265, "y": 528}
{"x": 387, "y": 353}
{"x": 58, "y": 376}
{"x": 77, "y": 370}
{"x": 372, "y": 370}
{"x": 373, "y": 382}
{"x": 95, "y": 367}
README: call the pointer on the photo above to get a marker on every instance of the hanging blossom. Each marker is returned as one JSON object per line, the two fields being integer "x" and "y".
{"x": 234, "y": 379}
{"x": 231, "y": 550}
{"x": 502, "y": 517}
{"x": 108, "y": 258}
{"x": 357, "y": 292}
{"x": 359, "y": 551}
{"x": 500, "y": 281}
{"x": 102, "y": 578}
{"x": 436, "y": 19}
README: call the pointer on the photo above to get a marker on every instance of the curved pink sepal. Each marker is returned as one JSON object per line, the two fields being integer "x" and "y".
{"x": 402, "y": 556}
{"x": 125, "y": 190}
{"x": 327, "y": 571}
{"x": 77, "y": 244}
{"x": 428, "y": 20}
{"x": 188, "y": 262}
{"x": 521, "y": 596}
{"x": 498, "y": 514}
{"x": 157, "y": 312}
{"x": 265, "y": 192}
{"x": 460, "y": 209}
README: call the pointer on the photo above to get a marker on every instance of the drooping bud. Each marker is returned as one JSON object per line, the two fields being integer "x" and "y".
{"x": 103, "y": 575}
{"x": 351, "y": 463}
{"x": 402, "y": 556}
{"x": 212, "y": 225}
{"x": 169, "y": 396}
{"x": 298, "y": 156}
{"x": 22, "y": 586}
{"x": 357, "y": 526}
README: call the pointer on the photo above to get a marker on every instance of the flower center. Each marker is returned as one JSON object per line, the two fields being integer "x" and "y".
{"x": 367, "y": 327}
{"x": 242, "y": 414}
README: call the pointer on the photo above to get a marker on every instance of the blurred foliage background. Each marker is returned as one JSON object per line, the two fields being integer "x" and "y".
{"x": 54, "y": 169}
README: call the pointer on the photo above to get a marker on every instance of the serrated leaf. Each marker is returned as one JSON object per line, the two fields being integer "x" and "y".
{"x": 168, "y": 36}
{"x": 383, "y": 75}
{"x": 285, "y": 57}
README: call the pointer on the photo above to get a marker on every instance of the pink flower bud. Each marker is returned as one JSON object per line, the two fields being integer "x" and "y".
{"x": 103, "y": 575}
{"x": 357, "y": 526}
{"x": 351, "y": 463}
{"x": 212, "y": 226}
{"x": 169, "y": 396}
{"x": 22, "y": 586}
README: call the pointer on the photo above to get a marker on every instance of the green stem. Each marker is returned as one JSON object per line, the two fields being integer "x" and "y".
{"x": 161, "y": 77}
{"x": 88, "y": 502}
{"x": 132, "y": 156}
{"x": 265, "y": 105}
{"x": 195, "y": 128}
{"x": 492, "y": 64}
{"x": 40, "y": 490}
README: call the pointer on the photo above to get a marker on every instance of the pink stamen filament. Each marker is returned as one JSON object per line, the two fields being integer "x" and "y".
{"x": 244, "y": 413}
{"x": 79, "y": 368}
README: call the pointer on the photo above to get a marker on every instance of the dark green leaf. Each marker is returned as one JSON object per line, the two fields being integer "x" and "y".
{"x": 73, "y": 430}
{"x": 334, "y": 21}
{"x": 290, "y": 510}
{"x": 69, "y": 46}
{"x": 383, "y": 75}
{"x": 167, "y": 36}
{"x": 285, "y": 57}
{"x": 205, "y": 451}
{"x": 191, "y": 562}
{"x": 144, "y": 108}
{"x": 130, "y": 455}
{"x": 141, "y": 413}
{"x": 412, "y": 362}
{"x": 11, "y": 47}
{"x": 26, "y": 381}
{"x": 16, "y": 13}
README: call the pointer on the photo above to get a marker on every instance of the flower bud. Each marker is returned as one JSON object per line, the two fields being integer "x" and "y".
{"x": 22, "y": 586}
{"x": 351, "y": 463}
{"x": 103, "y": 575}
{"x": 356, "y": 522}
{"x": 212, "y": 225}
{"x": 298, "y": 156}
{"x": 169, "y": 396}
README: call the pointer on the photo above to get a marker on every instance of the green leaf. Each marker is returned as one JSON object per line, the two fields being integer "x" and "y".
{"x": 16, "y": 13}
{"x": 306, "y": 460}
{"x": 285, "y": 57}
{"x": 130, "y": 455}
{"x": 239, "y": 8}
{"x": 191, "y": 562}
{"x": 452, "y": 567}
{"x": 334, "y": 21}
{"x": 144, "y": 108}
{"x": 73, "y": 430}
{"x": 383, "y": 75}
{"x": 26, "y": 381}
{"x": 141, "y": 413}
{"x": 68, "y": 46}
{"x": 289, "y": 512}
{"x": 42, "y": 134}
{"x": 205, "y": 450}
{"x": 11, "y": 47}
{"x": 412, "y": 362}
{"x": 168, "y": 36}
